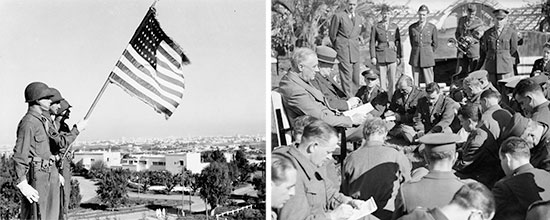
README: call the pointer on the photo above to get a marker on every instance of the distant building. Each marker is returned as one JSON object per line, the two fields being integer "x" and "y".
{"x": 144, "y": 162}
{"x": 111, "y": 159}
{"x": 190, "y": 161}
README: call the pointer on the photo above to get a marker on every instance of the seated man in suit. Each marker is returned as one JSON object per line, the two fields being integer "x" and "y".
{"x": 336, "y": 97}
{"x": 301, "y": 98}
{"x": 372, "y": 93}
{"x": 542, "y": 66}
{"x": 435, "y": 112}
{"x": 523, "y": 183}
{"x": 403, "y": 106}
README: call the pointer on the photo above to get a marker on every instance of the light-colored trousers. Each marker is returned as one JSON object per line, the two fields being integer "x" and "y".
{"x": 388, "y": 76}
{"x": 428, "y": 73}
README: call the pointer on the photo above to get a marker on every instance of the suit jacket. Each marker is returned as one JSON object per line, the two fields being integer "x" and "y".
{"x": 406, "y": 107}
{"x": 539, "y": 65}
{"x": 344, "y": 35}
{"x": 301, "y": 98}
{"x": 541, "y": 113}
{"x": 380, "y": 41}
{"x": 378, "y": 99}
{"x": 423, "y": 44}
{"x": 497, "y": 50}
{"x": 336, "y": 97}
{"x": 494, "y": 119}
{"x": 437, "y": 118}
{"x": 470, "y": 28}
{"x": 514, "y": 193}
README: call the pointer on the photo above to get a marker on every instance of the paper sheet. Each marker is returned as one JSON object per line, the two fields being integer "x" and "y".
{"x": 363, "y": 109}
{"x": 366, "y": 209}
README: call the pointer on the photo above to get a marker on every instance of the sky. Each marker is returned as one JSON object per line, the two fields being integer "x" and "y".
{"x": 74, "y": 45}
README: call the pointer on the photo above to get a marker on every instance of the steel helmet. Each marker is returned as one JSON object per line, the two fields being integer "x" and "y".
{"x": 36, "y": 91}
{"x": 56, "y": 95}
{"x": 64, "y": 106}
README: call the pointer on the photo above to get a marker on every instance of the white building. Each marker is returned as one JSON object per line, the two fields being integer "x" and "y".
{"x": 190, "y": 161}
{"x": 111, "y": 159}
{"x": 141, "y": 162}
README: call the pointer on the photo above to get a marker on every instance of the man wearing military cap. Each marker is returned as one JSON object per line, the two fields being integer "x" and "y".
{"x": 531, "y": 98}
{"x": 435, "y": 112}
{"x": 536, "y": 134}
{"x": 469, "y": 29}
{"x": 385, "y": 50}
{"x": 372, "y": 93}
{"x": 440, "y": 184}
{"x": 498, "y": 45}
{"x": 423, "y": 38}
{"x": 337, "y": 98}
{"x": 403, "y": 107}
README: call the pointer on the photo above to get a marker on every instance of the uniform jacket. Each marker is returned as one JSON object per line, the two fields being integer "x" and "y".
{"x": 424, "y": 214}
{"x": 336, "y": 97}
{"x": 300, "y": 98}
{"x": 436, "y": 118}
{"x": 59, "y": 141}
{"x": 378, "y": 99}
{"x": 514, "y": 193}
{"x": 344, "y": 35}
{"x": 377, "y": 171}
{"x": 539, "y": 65}
{"x": 423, "y": 44}
{"x": 435, "y": 189}
{"x": 314, "y": 196}
{"x": 406, "y": 107}
{"x": 497, "y": 50}
{"x": 539, "y": 154}
{"x": 385, "y": 44}
{"x": 479, "y": 159}
{"x": 471, "y": 28}
{"x": 494, "y": 119}
{"x": 541, "y": 113}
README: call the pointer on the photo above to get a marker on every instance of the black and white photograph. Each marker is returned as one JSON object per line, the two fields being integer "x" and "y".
{"x": 118, "y": 109}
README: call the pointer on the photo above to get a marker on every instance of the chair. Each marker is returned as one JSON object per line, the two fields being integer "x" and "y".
{"x": 282, "y": 123}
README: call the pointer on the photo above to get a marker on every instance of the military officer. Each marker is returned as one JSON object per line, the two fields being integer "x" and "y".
{"x": 345, "y": 27}
{"x": 423, "y": 38}
{"x": 498, "y": 44}
{"x": 372, "y": 93}
{"x": 542, "y": 66}
{"x": 531, "y": 98}
{"x": 336, "y": 97}
{"x": 440, "y": 184}
{"x": 470, "y": 29}
{"x": 435, "y": 112}
{"x": 403, "y": 106}
{"x": 385, "y": 50}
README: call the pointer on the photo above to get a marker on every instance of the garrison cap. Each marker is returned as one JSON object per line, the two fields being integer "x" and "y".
{"x": 540, "y": 79}
{"x": 424, "y": 8}
{"x": 471, "y": 7}
{"x": 516, "y": 126}
{"x": 500, "y": 13}
{"x": 439, "y": 142}
{"x": 56, "y": 95}
{"x": 326, "y": 55}
{"x": 479, "y": 74}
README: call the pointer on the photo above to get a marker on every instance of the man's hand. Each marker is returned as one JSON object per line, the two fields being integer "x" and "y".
{"x": 28, "y": 191}
{"x": 358, "y": 118}
{"x": 353, "y": 102}
{"x": 343, "y": 211}
{"x": 61, "y": 180}
{"x": 81, "y": 125}
{"x": 373, "y": 60}
{"x": 356, "y": 203}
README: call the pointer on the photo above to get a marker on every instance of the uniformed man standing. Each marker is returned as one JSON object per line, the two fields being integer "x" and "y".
{"x": 345, "y": 27}
{"x": 470, "y": 30}
{"x": 385, "y": 50}
{"x": 498, "y": 44}
{"x": 423, "y": 38}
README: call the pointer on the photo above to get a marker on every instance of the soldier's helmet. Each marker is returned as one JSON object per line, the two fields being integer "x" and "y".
{"x": 36, "y": 91}
{"x": 56, "y": 95}
{"x": 64, "y": 106}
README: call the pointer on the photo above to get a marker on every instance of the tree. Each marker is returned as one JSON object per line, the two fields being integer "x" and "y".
{"x": 213, "y": 156}
{"x": 9, "y": 195}
{"x": 242, "y": 164}
{"x": 259, "y": 185}
{"x": 78, "y": 168}
{"x": 75, "y": 197}
{"x": 97, "y": 169}
{"x": 215, "y": 184}
{"x": 113, "y": 187}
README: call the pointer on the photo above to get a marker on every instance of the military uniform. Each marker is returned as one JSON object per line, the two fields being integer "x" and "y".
{"x": 405, "y": 105}
{"x": 539, "y": 153}
{"x": 495, "y": 118}
{"x": 385, "y": 46}
{"x": 541, "y": 113}
{"x": 496, "y": 53}
{"x": 542, "y": 66}
{"x": 470, "y": 28}
{"x": 435, "y": 118}
{"x": 423, "y": 44}
{"x": 344, "y": 34}
{"x": 377, "y": 97}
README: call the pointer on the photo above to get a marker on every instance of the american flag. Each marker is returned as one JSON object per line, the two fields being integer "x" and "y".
{"x": 150, "y": 67}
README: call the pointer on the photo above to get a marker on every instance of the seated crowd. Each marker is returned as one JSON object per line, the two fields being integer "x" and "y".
{"x": 482, "y": 152}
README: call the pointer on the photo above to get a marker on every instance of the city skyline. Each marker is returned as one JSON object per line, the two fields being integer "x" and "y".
{"x": 73, "y": 46}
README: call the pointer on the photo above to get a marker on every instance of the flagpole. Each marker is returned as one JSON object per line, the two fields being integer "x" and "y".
{"x": 98, "y": 97}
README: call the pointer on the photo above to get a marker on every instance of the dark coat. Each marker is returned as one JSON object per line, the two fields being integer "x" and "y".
{"x": 336, "y": 97}
{"x": 539, "y": 65}
{"x": 380, "y": 40}
{"x": 423, "y": 44}
{"x": 497, "y": 50}
{"x": 344, "y": 35}
{"x": 542, "y": 113}
{"x": 473, "y": 29}
{"x": 378, "y": 99}
{"x": 516, "y": 192}
{"x": 539, "y": 154}
{"x": 437, "y": 118}
{"x": 406, "y": 107}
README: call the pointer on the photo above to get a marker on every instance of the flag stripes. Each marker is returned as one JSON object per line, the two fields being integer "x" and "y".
{"x": 150, "y": 67}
